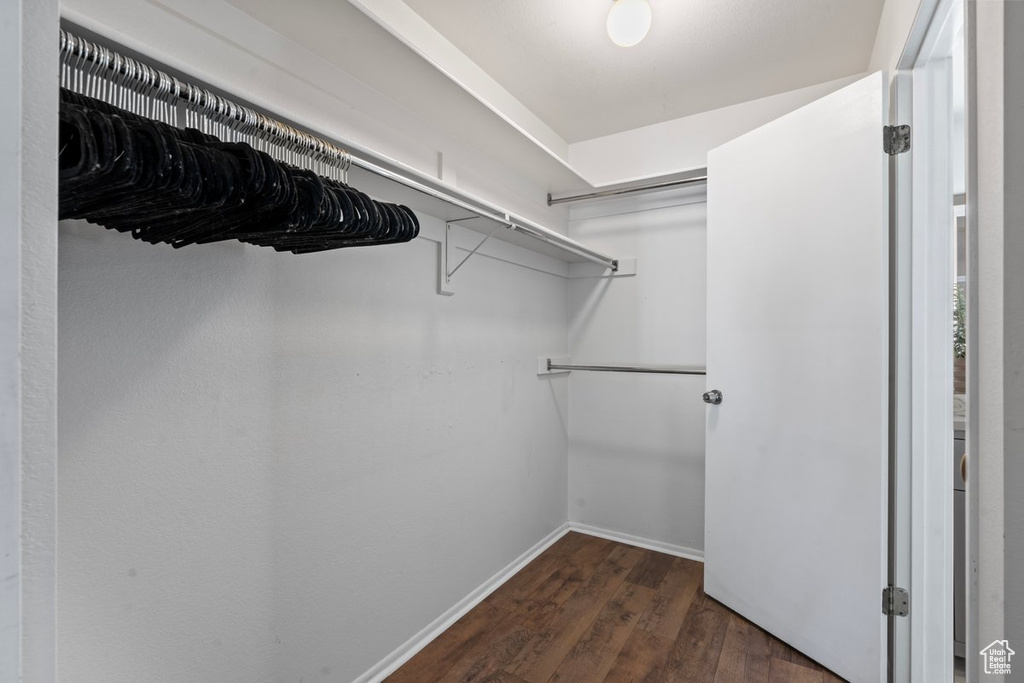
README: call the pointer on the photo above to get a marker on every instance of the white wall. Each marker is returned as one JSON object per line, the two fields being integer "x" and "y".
{"x": 10, "y": 342}
{"x": 894, "y": 29}
{"x": 996, "y": 329}
{"x": 987, "y": 528}
{"x": 636, "y": 442}
{"x": 39, "y": 339}
{"x": 278, "y": 467}
{"x": 28, "y": 267}
{"x": 683, "y": 144}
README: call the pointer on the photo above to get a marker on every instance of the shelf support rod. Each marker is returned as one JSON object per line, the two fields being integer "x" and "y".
{"x": 475, "y": 249}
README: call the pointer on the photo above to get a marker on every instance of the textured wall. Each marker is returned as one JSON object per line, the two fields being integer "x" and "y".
{"x": 39, "y": 339}
{"x": 636, "y": 447}
{"x": 10, "y": 342}
{"x": 996, "y": 341}
{"x": 277, "y": 468}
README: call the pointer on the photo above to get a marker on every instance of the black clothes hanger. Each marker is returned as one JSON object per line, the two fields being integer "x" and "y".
{"x": 182, "y": 186}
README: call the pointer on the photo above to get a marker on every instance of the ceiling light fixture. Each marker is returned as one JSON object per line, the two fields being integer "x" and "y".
{"x": 629, "y": 21}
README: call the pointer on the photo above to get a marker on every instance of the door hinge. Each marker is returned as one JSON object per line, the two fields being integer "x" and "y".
{"x": 895, "y": 139}
{"x": 895, "y": 601}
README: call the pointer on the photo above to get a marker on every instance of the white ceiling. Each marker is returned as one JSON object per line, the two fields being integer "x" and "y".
{"x": 556, "y": 58}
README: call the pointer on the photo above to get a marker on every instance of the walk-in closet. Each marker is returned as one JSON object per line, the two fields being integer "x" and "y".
{"x": 474, "y": 340}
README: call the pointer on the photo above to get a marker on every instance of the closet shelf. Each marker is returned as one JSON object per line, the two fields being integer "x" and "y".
{"x": 376, "y": 173}
{"x": 450, "y": 204}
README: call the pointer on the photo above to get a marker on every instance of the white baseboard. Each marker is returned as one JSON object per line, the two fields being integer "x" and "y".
{"x": 638, "y": 541}
{"x": 405, "y": 652}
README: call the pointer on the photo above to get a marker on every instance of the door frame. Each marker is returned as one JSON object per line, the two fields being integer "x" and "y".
{"x": 921, "y": 646}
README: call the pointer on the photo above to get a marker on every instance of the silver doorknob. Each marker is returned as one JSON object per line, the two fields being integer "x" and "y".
{"x": 714, "y": 397}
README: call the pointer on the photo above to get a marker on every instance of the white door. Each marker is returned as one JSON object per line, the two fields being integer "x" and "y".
{"x": 798, "y": 345}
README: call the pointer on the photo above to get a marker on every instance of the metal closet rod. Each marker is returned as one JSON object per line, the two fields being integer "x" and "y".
{"x": 78, "y": 52}
{"x": 520, "y": 225}
{"x": 649, "y": 187}
{"x": 649, "y": 369}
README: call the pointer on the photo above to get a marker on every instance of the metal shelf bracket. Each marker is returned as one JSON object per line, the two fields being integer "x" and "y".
{"x": 448, "y": 256}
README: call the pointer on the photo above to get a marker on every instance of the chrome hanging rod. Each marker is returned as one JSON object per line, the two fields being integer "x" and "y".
{"x": 650, "y": 187}
{"x": 124, "y": 72}
{"x": 649, "y": 369}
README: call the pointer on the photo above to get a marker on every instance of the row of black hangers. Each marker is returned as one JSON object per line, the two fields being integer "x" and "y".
{"x": 182, "y": 186}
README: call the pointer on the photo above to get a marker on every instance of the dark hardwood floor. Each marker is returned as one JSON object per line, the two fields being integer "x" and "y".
{"x": 589, "y": 610}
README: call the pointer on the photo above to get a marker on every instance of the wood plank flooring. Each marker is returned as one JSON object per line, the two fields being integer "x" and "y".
{"x": 588, "y": 610}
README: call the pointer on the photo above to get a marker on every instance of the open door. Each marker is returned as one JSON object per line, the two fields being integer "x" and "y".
{"x": 796, "y": 474}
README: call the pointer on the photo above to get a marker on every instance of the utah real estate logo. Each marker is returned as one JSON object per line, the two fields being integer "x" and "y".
{"x": 997, "y": 657}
